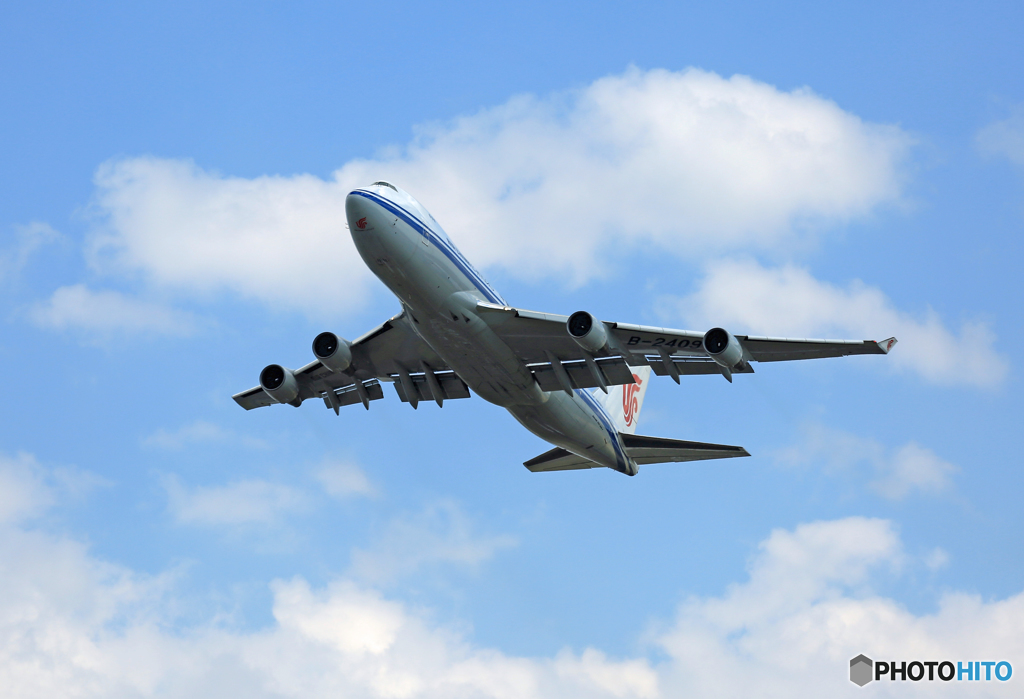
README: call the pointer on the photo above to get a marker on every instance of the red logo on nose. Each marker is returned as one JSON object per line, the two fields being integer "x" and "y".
{"x": 361, "y": 224}
{"x": 629, "y": 401}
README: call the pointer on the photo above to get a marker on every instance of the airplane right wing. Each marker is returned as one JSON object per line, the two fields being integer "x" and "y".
{"x": 544, "y": 340}
{"x": 783, "y": 349}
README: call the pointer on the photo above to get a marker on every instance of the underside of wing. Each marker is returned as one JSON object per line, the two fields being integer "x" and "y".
{"x": 393, "y": 345}
{"x": 383, "y": 354}
{"x": 782, "y": 349}
{"x": 563, "y": 360}
{"x": 448, "y": 385}
{"x": 255, "y": 397}
{"x": 532, "y": 335}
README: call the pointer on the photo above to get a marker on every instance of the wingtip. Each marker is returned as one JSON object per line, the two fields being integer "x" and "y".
{"x": 887, "y": 345}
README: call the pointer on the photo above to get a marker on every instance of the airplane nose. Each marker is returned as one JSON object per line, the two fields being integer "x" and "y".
{"x": 374, "y": 231}
{"x": 360, "y": 213}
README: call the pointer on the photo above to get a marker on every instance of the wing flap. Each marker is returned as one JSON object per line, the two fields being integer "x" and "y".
{"x": 615, "y": 370}
{"x": 690, "y": 366}
{"x": 451, "y": 385}
{"x": 350, "y": 394}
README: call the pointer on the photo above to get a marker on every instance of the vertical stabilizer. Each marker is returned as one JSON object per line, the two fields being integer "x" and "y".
{"x": 623, "y": 403}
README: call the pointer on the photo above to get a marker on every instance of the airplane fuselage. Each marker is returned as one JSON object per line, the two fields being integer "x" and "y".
{"x": 439, "y": 289}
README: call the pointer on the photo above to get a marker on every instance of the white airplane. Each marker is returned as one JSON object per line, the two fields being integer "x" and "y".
{"x": 456, "y": 333}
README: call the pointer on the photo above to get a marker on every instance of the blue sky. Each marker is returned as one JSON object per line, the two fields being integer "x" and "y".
{"x": 173, "y": 178}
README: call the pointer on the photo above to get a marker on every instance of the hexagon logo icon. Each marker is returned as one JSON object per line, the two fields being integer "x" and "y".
{"x": 861, "y": 670}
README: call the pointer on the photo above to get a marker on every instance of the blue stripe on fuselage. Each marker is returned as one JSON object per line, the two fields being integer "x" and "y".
{"x": 449, "y": 250}
{"x": 607, "y": 423}
{"x": 453, "y": 254}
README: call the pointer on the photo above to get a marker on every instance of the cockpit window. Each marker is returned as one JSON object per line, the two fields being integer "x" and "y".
{"x": 384, "y": 184}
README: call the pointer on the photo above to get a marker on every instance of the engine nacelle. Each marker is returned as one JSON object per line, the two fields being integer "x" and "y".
{"x": 587, "y": 331}
{"x": 332, "y": 351}
{"x": 723, "y": 347}
{"x": 279, "y": 383}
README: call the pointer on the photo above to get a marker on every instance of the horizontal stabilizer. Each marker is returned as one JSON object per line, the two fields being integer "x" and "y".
{"x": 657, "y": 450}
{"x": 558, "y": 459}
{"x": 642, "y": 450}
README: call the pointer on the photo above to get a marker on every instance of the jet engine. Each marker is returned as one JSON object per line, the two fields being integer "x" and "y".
{"x": 588, "y": 332}
{"x": 332, "y": 351}
{"x": 279, "y": 383}
{"x": 723, "y": 348}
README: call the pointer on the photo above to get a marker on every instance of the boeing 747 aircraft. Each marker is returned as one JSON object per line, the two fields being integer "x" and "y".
{"x": 575, "y": 381}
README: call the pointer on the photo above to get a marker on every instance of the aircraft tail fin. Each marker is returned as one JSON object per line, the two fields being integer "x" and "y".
{"x": 623, "y": 402}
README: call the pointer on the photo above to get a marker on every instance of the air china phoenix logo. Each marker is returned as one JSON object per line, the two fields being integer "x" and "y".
{"x": 629, "y": 402}
{"x": 361, "y": 223}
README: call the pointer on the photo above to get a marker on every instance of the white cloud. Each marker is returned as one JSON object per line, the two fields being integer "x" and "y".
{"x": 895, "y": 473}
{"x": 71, "y": 625}
{"x": 279, "y": 240}
{"x": 936, "y": 559}
{"x": 59, "y": 612}
{"x": 914, "y": 468}
{"x": 592, "y": 670}
{"x": 787, "y": 301}
{"x": 102, "y": 314}
{"x": 807, "y": 608}
{"x": 253, "y": 502}
{"x": 23, "y": 489}
{"x": 246, "y": 502}
{"x": 688, "y": 161}
{"x": 200, "y": 432}
{"x": 30, "y": 238}
{"x": 1005, "y": 138}
{"x": 442, "y": 533}
{"x": 343, "y": 479}
{"x": 28, "y": 488}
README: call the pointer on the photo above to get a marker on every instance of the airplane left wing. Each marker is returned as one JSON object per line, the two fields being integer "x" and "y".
{"x": 391, "y": 352}
{"x": 543, "y": 340}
